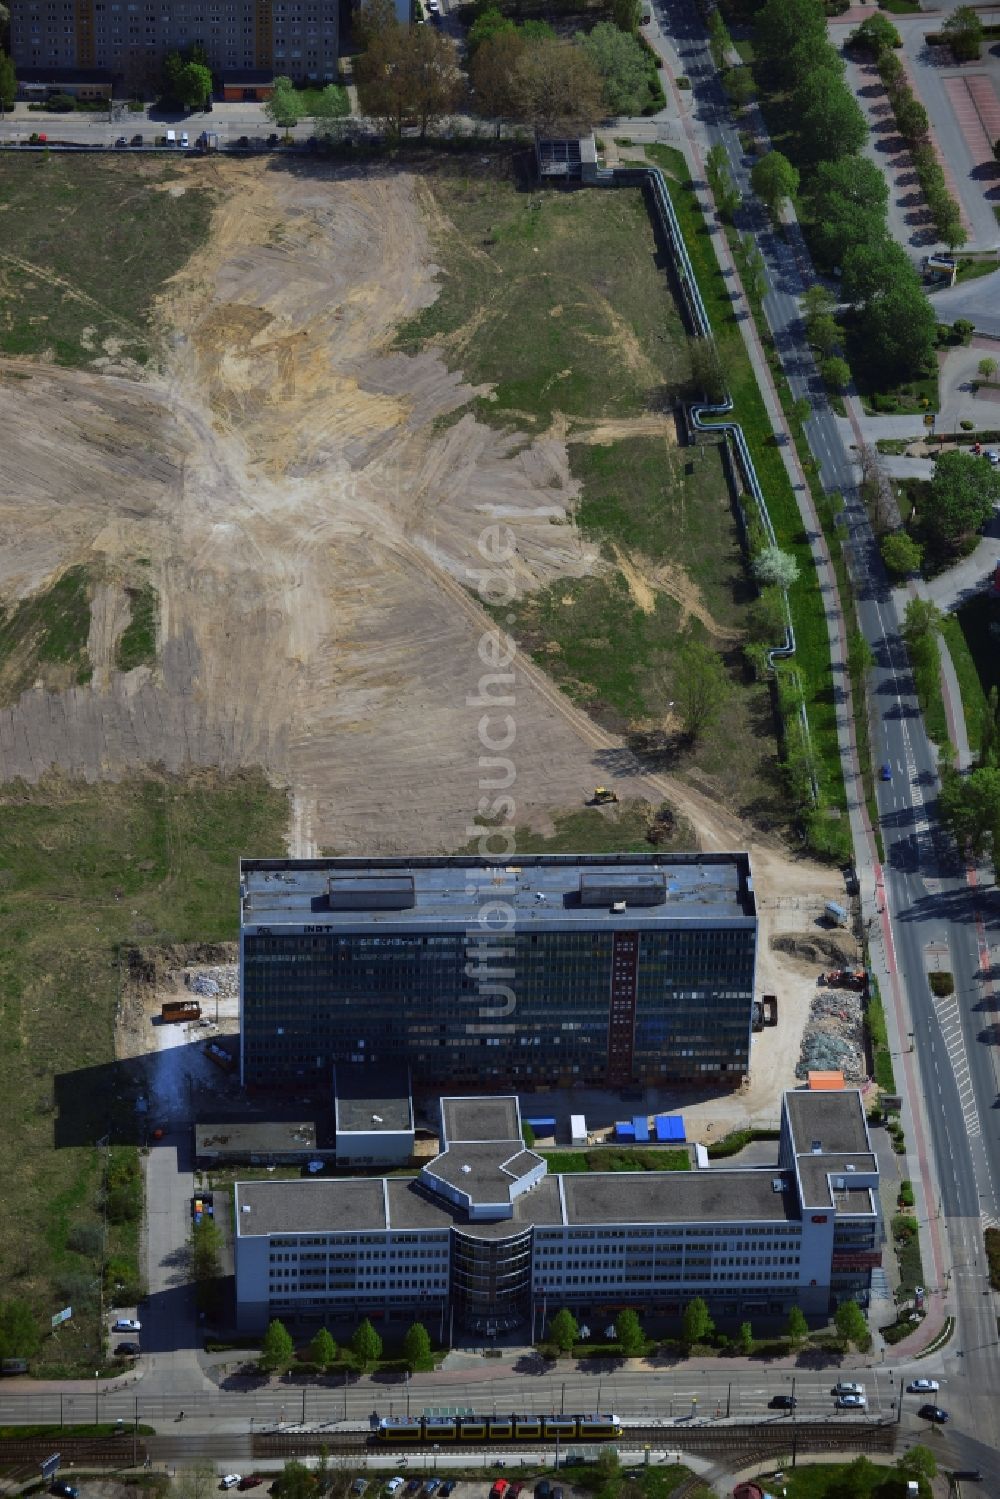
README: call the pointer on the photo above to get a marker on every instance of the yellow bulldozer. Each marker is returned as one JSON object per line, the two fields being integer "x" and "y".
{"x": 601, "y": 795}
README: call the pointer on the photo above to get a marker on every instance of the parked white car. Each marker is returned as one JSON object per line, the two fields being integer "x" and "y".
{"x": 230, "y": 1481}
{"x": 394, "y": 1485}
{"x": 126, "y": 1324}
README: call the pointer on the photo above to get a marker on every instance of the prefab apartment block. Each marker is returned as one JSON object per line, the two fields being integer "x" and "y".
{"x": 557, "y": 969}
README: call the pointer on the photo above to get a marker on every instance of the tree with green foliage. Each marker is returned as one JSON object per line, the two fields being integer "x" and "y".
{"x": 901, "y": 554}
{"x": 987, "y": 368}
{"x": 895, "y": 318}
{"x": 836, "y": 373}
{"x": 366, "y": 1345}
{"x": 707, "y": 380}
{"x": 488, "y": 24}
{"x": 722, "y": 183}
{"x": 847, "y": 206}
{"x": 323, "y": 1349}
{"x": 824, "y": 333}
{"x": 18, "y": 1329}
{"x": 557, "y": 87}
{"x": 8, "y": 81}
{"x": 989, "y": 730}
{"x": 797, "y": 1327}
{"x": 964, "y": 32}
{"x": 564, "y": 1330}
{"x": 417, "y": 1347}
{"x": 739, "y": 86}
{"x": 850, "y": 1323}
{"x": 329, "y": 105}
{"x": 970, "y": 805}
{"x": 831, "y": 123}
{"x": 627, "y": 15}
{"x": 284, "y": 108}
{"x": 193, "y": 85}
{"x": 630, "y": 1337}
{"x": 860, "y": 657}
{"x": 963, "y": 492}
{"x": 701, "y": 686}
{"x": 206, "y": 1250}
{"x": 744, "y": 1339}
{"x": 766, "y": 617}
{"x": 818, "y": 301}
{"x": 295, "y": 1481}
{"x": 919, "y": 1463}
{"x": 781, "y": 27}
{"x": 911, "y": 119}
{"x": 720, "y": 43}
{"x": 493, "y": 75}
{"x": 875, "y": 34}
{"x": 621, "y": 64}
{"x": 948, "y": 222}
{"x": 277, "y": 1349}
{"x": 696, "y": 1324}
{"x": 774, "y": 568}
{"x": 775, "y": 181}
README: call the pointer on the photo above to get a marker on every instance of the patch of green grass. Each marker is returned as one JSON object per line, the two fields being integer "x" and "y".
{"x": 46, "y": 635}
{"x": 900, "y": 7}
{"x": 807, "y": 604}
{"x": 554, "y": 299}
{"x": 633, "y": 826}
{"x": 970, "y": 269}
{"x": 312, "y": 99}
{"x": 969, "y": 683}
{"x": 894, "y": 445}
{"x": 137, "y": 643}
{"x": 977, "y": 619}
{"x": 878, "y": 1040}
{"x": 614, "y": 1158}
{"x": 84, "y": 872}
{"x": 88, "y": 241}
{"x": 860, "y": 1478}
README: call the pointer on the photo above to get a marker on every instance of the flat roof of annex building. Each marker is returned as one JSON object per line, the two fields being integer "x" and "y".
{"x": 603, "y": 1199}
{"x": 559, "y": 892}
{"x": 466, "y": 1120}
{"x": 834, "y": 1121}
{"x": 372, "y": 1100}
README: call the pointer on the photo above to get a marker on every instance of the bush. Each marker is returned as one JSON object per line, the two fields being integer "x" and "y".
{"x": 61, "y": 103}
{"x": 85, "y": 1238}
{"x": 906, "y": 1193}
{"x": 966, "y": 425}
{"x": 904, "y": 1227}
{"x": 683, "y": 82}
{"x": 942, "y": 984}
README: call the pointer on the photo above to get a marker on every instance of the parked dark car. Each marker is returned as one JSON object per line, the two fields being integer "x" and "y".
{"x": 137, "y": 141}
{"x": 543, "y": 1489}
{"x": 933, "y": 1413}
{"x": 250, "y": 1481}
{"x": 967, "y": 1475}
{"x": 446, "y": 1488}
{"x": 782, "y": 1402}
{"x": 64, "y": 1489}
{"x": 127, "y": 1350}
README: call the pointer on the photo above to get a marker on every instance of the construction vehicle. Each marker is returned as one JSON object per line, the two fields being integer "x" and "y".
{"x": 601, "y": 795}
{"x": 769, "y": 1008}
{"x": 179, "y": 1009}
{"x": 845, "y": 978}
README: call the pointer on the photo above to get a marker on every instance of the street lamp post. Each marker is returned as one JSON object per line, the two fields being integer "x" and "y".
{"x": 97, "y": 1375}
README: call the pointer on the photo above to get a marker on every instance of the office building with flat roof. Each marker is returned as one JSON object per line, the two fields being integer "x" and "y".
{"x": 487, "y": 1238}
{"x": 558, "y": 969}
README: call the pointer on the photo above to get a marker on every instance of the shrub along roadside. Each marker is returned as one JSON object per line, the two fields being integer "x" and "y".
{"x": 878, "y": 1040}
{"x": 912, "y": 123}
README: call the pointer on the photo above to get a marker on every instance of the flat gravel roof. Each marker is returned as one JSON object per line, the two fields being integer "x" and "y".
{"x": 559, "y": 892}
{"x": 836, "y": 1120}
{"x": 679, "y": 1197}
{"x": 470, "y": 1119}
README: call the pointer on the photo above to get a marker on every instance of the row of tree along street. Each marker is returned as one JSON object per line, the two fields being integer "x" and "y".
{"x": 563, "y": 1334}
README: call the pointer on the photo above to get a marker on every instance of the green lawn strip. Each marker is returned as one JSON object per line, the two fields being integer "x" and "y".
{"x": 976, "y": 619}
{"x": 87, "y": 244}
{"x": 925, "y": 660}
{"x": 808, "y": 609}
{"x": 86, "y": 871}
{"x": 860, "y": 1478}
{"x": 553, "y": 299}
{"x": 312, "y": 99}
{"x": 49, "y": 629}
{"x": 614, "y": 1158}
{"x": 971, "y": 688}
{"x": 137, "y": 643}
{"x": 878, "y": 1040}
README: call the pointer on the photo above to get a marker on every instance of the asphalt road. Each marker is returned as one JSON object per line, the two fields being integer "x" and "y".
{"x": 929, "y": 895}
{"x": 978, "y": 300}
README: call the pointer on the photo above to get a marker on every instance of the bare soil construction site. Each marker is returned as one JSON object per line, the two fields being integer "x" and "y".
{"x": 312, "y": 512}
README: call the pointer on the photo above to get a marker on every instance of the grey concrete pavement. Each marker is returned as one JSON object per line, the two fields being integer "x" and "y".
{"x": 169, "y": 1319}
{"x": 974, "y": 574}
{"x": 978, "y": 300}
{"x": 958, "y": 729}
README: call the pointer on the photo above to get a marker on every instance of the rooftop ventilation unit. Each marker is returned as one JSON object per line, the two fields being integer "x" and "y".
{"x": 777, "y": 1185}
{"x": 466, "y": 1170}
{"x": 371, "y": 893}
{"x": 377, "y": 1119}
{"x": 647, "y": 889}
{"x": 817, "y": 1147}
{"x": 839, "y": 1183}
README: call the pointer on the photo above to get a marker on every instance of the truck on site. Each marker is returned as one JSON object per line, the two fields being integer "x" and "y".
{"x": 845, "y": 978}
{"x": 220, "y": 1056}
{"x": 173, "y": 1010}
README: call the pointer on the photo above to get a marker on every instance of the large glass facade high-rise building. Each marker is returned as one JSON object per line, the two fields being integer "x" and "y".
{"x": 553, "y": 969}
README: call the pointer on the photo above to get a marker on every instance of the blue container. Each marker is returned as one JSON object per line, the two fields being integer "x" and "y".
{"x": 641, "y": 1126}
{"x": 625, "y": 1132}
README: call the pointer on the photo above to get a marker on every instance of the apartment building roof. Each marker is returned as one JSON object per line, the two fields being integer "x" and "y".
{"x": 557, "y": 892}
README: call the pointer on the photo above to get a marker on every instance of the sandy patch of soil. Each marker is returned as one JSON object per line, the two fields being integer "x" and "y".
{"x": 315, "y": 541}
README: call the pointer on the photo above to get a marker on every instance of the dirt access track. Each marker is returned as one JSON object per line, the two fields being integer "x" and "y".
{"x": 312, "y": 531}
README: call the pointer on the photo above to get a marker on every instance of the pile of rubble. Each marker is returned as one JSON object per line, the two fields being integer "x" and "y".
{"x": 834, "y": 1036}
{"x": 212, "y": 983}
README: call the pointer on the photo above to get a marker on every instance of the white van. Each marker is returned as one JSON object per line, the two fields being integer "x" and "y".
{"x": 171, "y": 137}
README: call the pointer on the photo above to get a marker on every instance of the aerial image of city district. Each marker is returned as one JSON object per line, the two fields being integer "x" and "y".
{"x": 500, "y": 749}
